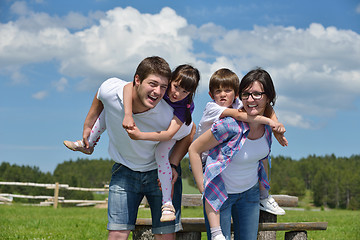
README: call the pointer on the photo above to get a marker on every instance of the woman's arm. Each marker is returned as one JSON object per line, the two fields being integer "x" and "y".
{"x": 279, "y": 135}
{"x": 203, "y": 143}
{"x": 93, "y": 114}
{"x": 174, "y": 126}
{"x": 128, "y": 121}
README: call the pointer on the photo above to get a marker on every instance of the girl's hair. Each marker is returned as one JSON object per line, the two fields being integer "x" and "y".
{"x": 223, "y": 78}
{"x": 262, "y": 77}
{"x": 189, "y": 78}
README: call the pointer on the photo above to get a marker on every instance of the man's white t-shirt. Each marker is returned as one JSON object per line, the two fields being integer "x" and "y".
{"x": 138, "y": 155}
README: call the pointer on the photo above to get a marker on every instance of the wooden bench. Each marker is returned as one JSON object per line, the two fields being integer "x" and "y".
{"x": 268, "y": 225}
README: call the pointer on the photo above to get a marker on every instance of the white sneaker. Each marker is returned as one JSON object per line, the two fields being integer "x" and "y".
{"x": 219, "y": 237}
{"x": 270, "y": 205}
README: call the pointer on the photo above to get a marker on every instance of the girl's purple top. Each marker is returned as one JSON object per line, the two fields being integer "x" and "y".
{"x": 180, "y": 107}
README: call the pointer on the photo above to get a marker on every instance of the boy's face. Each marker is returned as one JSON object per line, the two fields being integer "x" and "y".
{"x": 223, "y": 96}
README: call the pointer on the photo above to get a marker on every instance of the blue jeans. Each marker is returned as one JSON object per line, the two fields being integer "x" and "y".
{"x": 245, "y": 210}
{"x": 126, "y": 190}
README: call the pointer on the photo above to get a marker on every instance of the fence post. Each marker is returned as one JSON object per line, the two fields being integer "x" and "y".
{"x": 56, "y": 195}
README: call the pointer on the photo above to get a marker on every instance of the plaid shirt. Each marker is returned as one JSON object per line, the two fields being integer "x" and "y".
{"x": 231, "y": 135}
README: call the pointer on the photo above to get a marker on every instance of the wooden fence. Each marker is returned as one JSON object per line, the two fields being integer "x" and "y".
{"x": 52, "y": 200}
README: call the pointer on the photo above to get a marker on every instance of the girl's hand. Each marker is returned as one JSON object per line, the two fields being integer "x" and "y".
{"x": 128, "y": 122}
{"x": 134, "y": 133}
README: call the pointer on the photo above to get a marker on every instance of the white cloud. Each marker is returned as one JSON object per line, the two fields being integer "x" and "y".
{"x": 40, "y": 95}
{"x": 309, "y": 66}
{"x": 61, "y": 84}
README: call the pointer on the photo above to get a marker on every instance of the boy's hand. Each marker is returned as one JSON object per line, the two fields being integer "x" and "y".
{"x": 128, "y": 122}
{"x": 277, "y": 127}
{"x": 280, "y": 137}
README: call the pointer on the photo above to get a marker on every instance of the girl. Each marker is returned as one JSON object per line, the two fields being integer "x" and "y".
{"x": 179, "y": 95}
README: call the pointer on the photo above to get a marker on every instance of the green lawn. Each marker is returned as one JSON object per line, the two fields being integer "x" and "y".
{"x": 29, "y": 222}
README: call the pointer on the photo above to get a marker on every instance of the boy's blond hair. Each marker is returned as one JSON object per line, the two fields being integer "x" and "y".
{"x": 224, "y": 78}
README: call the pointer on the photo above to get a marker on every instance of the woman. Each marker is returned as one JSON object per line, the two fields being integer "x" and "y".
{"x": 230, "y": 183}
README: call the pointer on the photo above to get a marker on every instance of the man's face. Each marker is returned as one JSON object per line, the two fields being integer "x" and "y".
{"x": 150, "y": 91}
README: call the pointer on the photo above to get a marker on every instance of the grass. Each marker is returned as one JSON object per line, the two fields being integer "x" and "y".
{"x": 30, "y": 222}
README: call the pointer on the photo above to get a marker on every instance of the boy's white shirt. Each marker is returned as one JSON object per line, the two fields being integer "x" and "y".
{"x": 137, "y": 155}
{"x": 212, "y": 113}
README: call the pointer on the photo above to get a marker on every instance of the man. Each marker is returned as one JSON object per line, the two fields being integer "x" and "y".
{"x": 134, "y": 174}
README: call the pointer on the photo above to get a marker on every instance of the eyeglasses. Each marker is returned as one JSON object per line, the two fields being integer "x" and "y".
{"x": 254, "y": 95}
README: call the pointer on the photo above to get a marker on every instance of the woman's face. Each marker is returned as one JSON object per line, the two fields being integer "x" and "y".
{"x": 254, "y": 106}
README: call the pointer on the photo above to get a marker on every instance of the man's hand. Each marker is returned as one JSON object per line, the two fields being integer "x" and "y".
{"x": 134, "y": 133}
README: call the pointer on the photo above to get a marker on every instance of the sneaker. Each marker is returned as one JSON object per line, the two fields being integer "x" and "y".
{"x": 78, "y": 146}
{"x": 270, "y": 205}
{"x": 219, "y": 237}
{"x": 168, "y": 213}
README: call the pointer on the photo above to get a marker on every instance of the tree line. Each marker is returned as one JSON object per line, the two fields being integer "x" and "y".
{"x": 333, "y": 181}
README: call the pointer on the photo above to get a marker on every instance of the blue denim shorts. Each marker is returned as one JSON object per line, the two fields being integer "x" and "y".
{"x": 126, "y": 190}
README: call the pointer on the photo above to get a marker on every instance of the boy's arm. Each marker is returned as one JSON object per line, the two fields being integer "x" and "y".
{"x": 166, "y": 135}
{"x": 269, "y": 118}
{"x": 128, "y": 122}
{"x": 93, "y": 114}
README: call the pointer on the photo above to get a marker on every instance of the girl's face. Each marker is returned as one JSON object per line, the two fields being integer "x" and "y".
{"x": 254, "y": 106}
{"x": 177, "y": 93}
{"x": 223, "y": 96}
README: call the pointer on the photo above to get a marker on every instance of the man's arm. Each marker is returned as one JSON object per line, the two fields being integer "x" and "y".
{"x": 179, "y": 151}
{"x": 93, "y": 114}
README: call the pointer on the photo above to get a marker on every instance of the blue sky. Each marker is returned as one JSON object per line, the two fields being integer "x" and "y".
{"x": 55, "y": 54}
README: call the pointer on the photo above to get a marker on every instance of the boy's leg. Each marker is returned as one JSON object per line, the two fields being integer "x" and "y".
{"x": 267, "y": 202}
{"x": 214, "y": 222}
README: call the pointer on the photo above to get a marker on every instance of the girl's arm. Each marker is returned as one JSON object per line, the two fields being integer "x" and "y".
{"x": 128, "y": 122}
{"x": 203, "y": 143}
{"x": 174, "y": 126}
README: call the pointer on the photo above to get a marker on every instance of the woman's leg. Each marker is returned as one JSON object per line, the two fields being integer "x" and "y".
{"x": 245, "y": 213}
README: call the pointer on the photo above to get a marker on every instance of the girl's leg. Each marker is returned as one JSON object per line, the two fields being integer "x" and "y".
{"x": 98, "y": 128}
{"x": 165, "y": 177}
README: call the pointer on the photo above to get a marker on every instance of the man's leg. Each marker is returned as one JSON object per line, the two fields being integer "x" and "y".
{"x": 124, "y": 200}
{"x": 118, "y": 235}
